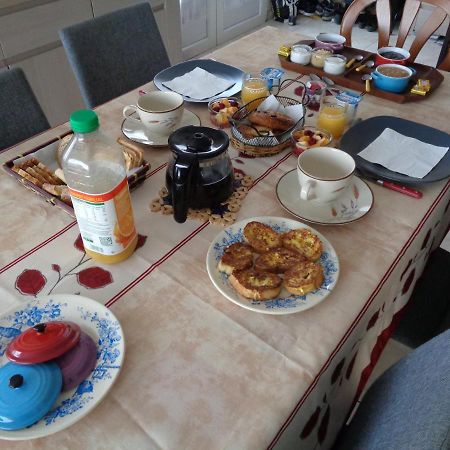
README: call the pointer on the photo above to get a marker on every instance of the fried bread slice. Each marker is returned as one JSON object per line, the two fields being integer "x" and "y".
{"x": 304, "y": 242}
{"x": 261, "y": 237}
{"x": 278, "y": 260}
{"x": 303, "y": 278}
{"x": 236, "y": 257}
{"x": 255, "y": 284}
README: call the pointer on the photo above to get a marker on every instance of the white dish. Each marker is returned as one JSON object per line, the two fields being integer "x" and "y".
{"x": 137, "y": 132}
{"x": 286, "y": 303}
{"x": 353, "y": 205}
{"x": 101, "y": 325}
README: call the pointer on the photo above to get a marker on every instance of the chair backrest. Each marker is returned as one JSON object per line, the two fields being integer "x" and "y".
{"x": 20, "y": 113}
{"x": 408, "y": 407}
{"x": 410, "y": 10}
{"x": 115, "y": 53}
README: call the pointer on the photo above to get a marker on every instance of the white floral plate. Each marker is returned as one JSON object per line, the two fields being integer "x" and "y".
{"x": 353, "y": 205}
{"x": 94, "y": 319}
{"x": 137, "y": 132}
{"x": 286, "y": 303}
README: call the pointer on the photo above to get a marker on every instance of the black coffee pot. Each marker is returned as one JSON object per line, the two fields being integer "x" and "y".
{"x": 200, "y": 173}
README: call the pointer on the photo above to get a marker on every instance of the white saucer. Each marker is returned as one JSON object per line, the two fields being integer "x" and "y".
{"x": 137, "y": 133}
{"x": 354, "y": 204}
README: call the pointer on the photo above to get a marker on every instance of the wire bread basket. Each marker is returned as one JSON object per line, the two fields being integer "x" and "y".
{"x": 264, "y": 143}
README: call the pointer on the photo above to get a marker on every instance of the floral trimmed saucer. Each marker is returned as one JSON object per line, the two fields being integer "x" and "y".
{"x": 354, "y": 204}
{"x": 137, "y": 133}
{"x": 95, "y": 320}
{"x": 285, "y": 303}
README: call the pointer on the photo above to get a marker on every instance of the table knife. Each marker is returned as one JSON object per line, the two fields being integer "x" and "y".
{"x": 393, "y": 186}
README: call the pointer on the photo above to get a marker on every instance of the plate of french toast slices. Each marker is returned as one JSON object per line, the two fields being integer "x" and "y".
{"x": 272, "y": 265}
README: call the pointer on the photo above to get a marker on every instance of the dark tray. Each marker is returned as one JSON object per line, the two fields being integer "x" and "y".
{"x": 134, "y": 180}
{"x": 352, "y": 79}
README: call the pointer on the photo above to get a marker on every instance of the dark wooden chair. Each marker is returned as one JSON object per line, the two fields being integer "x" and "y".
{"x": 410, "y": 10}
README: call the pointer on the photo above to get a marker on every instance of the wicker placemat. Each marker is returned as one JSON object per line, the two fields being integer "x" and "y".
{"x": 221, "y": 214}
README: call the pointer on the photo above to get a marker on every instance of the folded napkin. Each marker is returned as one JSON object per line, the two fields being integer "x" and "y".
{"x": 199, "y": 84}
{"x": 403, "y": 154}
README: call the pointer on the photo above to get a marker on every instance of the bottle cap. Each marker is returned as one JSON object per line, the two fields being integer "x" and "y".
{"x": 84, "y": 121}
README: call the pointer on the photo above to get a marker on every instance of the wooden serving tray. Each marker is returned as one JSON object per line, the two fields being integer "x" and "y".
{"x": 134, "y": 180}
{"x": 352, "y": 79}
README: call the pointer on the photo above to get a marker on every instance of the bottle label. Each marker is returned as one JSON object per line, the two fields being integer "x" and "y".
{"x": 105, "y": 220}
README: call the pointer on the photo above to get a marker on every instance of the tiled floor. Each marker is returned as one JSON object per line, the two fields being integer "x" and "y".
{"x": 366, "y": 40}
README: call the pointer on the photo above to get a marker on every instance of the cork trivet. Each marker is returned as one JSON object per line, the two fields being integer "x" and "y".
{"x": 223, "y": 214}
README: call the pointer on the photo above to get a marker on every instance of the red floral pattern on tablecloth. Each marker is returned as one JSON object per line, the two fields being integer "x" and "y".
{"x": 32, "y": 281}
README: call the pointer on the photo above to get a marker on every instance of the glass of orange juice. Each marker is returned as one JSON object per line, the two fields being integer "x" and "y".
{"x": 332, "y": 116}
{"x": 254, "y": 87}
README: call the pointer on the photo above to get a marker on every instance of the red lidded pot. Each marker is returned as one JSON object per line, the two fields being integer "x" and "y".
{"x": 43, "y": 342}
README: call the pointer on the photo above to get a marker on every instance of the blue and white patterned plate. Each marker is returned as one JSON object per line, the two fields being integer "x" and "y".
{"x": 286, "y": 303}
{"x": 94, "y": 319}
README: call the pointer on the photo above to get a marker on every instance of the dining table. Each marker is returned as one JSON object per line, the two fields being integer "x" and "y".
{"x": 201, "y": 372}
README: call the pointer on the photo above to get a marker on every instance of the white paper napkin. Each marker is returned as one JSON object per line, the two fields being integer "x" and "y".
{"x": 403, "y": 154}
{"x": 271, "y": 103}
{"x": 199, "y": 84}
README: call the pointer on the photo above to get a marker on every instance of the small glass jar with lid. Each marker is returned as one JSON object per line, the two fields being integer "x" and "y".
{"x": 301, "y": 54}
{"x": 335, "y": 64}
{"x": 318, "y": 57}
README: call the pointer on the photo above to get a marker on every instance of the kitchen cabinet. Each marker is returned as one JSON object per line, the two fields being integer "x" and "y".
{"x": 206, "y": 24}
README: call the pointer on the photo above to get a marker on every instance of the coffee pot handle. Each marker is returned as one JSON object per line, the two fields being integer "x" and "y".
{"x": 183, "y": 169}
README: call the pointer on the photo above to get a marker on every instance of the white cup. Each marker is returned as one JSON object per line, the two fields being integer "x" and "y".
{"x": 159, "y": 112}
{"x": 324, "y": 173}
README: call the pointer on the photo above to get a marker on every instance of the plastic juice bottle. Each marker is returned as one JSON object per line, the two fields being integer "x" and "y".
{"x": 94, "y": 169}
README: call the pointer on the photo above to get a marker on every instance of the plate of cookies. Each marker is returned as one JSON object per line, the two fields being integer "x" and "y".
{"x": 272, "y": 265}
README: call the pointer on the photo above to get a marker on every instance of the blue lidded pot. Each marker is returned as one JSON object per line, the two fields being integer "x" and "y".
{"x": 388, "y": 77}
{"x": 27, "y": 392}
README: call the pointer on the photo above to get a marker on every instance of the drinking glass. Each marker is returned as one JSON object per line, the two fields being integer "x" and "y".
{"x": 254, "y": 87}
{"x": 332, "y": 116}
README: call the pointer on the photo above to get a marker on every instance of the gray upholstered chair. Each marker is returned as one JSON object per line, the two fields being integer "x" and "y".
{"x": 408, "y": 407}
{"x": 115, "y": 53}
{"x": 20, "y": 113}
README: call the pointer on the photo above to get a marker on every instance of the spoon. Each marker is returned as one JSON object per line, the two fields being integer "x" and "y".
{"x": 367, "y": 64}
{"x": 367, "y": 77}
{"x": 353, "y": 60}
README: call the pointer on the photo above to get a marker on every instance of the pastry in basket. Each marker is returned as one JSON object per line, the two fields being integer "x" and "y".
{"x": 303, "y": 278}
{"x": 255, "y": 284}
{"x": 278, "y": 260}
{"x": 261, "y": 237}
{"x": 304, "y": 242}
{"x": 275, "y": 121}
{"x": 36, "y": 172}
{"x": 236, "y": 257}
{"x": 250, "y": 132}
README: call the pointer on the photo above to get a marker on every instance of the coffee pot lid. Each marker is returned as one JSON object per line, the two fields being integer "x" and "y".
{"x": 77, "y": 364}
{"x": 43, "y": 342}
{"x": 27, "y": 392}
{"x": 203, "y": 142}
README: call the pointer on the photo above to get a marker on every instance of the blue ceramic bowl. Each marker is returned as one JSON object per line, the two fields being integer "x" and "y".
{"x": 392, "y": 83}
